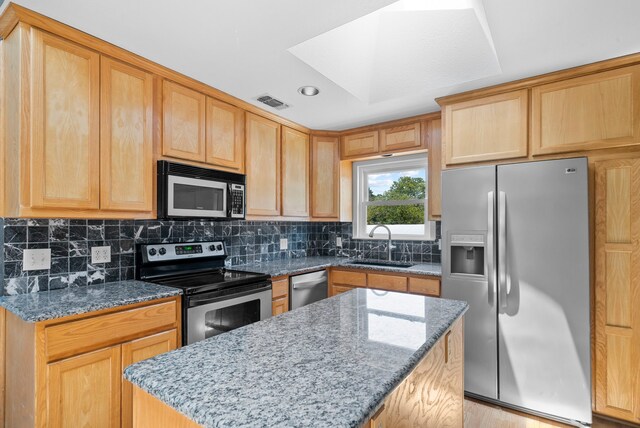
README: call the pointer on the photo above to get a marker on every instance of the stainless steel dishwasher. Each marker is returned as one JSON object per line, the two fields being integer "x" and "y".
{"x": 308, "y": 288}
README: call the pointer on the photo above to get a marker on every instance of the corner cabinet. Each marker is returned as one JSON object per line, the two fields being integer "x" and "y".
{"x": 263, "y": 166}
{"x": 617, "y": 289}
{"x": 68, "y": 371}
{"x": 486, "y": 129}
{"x": 325, "y": 178}
{"x": 586, "y": 113}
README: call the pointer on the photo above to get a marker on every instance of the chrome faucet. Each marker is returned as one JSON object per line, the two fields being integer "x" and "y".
{"x": 390, "y": 247}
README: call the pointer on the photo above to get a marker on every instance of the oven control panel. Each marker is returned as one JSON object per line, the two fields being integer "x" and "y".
{"x": 162, "y": 252}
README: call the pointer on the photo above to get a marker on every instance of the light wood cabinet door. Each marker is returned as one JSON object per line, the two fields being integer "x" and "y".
{"x": 325, "y": 177}
{"x": 139, "y": 350}
{"x": 295, "y": 173}
{"x": 183, "y": 135}
{"x": 65, "y": 124}
{"x": 263, "y": 166}
{"x": 617, "y": 289}
{"x": 358, "y": 145}
{"x": 84, "y": 391}
{"x": 279, "y": 306}
{"x": 126, "y": 141}
{"x": 400, "y": 138}
{"x": 337, "y": 289}
{"x": 225, "y": 135}
{"x": 435, "y": 169}
{"x": 486, "y": 129}
{"x": 585, "y": 113}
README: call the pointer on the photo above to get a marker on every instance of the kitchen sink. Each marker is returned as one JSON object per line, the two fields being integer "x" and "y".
{"x": 382, "y": 263}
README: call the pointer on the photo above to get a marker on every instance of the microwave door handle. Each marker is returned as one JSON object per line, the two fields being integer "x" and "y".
{"x": 229, "y": 204}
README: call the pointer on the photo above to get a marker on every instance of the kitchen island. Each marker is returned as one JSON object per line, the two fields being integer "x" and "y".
{"x": 361, "y": 356}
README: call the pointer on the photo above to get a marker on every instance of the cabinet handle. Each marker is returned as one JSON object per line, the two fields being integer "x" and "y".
{"x": 447, "y": 347}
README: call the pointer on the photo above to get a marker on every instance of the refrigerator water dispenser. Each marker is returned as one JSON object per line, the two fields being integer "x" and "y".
{"x": 467, "y": 254}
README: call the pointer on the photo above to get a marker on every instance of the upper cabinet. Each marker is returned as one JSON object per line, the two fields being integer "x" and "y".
{"x": 65, "y": 124}
{"x": 183, "y": 134}
{"x": 295, "y": 173}
{"x": 433, "y": 130}
{"x": 484, "y": 129}
{"x": 263, "y": 166}
{"x": 225, "y": 135}
{"x": 400, "y": 138}
{"x": 358, "y": 145}
{"x": 89, "y": 149}
{"x": 325, "y": 178}
{"x": 382, "y": 140}
{"x": 585, "y": 113}
{"x": 126, "y": 141}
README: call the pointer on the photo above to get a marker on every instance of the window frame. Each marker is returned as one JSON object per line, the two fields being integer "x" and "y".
{"x": 361, "y": 170}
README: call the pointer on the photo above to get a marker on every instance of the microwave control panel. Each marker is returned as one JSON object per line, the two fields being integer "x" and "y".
{"x": 237, "y": 200}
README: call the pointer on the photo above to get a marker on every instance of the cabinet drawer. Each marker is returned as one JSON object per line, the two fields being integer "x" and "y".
{"x": 387, "y": 282}
{"x": 84, "y": 335}
{"x": 356, "y": 279}
{"x": 426, "y": 286}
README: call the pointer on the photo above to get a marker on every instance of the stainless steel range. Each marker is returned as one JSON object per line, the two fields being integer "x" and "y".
{"x": 215, "y": 300}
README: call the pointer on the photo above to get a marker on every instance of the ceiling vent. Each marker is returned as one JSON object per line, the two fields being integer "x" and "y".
{"x": 272, "y": 102}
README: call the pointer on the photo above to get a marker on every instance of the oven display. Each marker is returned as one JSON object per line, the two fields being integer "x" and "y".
{"x": 188, "y": 249}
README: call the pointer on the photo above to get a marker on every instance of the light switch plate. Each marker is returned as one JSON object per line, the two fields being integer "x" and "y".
{"x": 338, "y": 242}
{"x": 284, "y": 244}
{"x": 101, "y": 254}
{"x": 36, "y": 259}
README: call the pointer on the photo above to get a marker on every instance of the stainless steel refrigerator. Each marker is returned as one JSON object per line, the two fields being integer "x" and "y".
{"x": 516, "y": 248}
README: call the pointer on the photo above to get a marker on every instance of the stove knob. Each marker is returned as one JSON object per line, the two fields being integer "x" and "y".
{"x": 212, "y": 247}
{"x": 152, "y": 252}
{"x": 162, "y": 251}
{"x": 219, "y": 247}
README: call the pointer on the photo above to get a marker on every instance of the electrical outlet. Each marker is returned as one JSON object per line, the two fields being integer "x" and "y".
{"x": 39, "y": 259}
{"x": 284, "y": 244}
{"x": 338, "y": 242}
{"x": 439, "y": 244}
{"x": 101, "y": 254}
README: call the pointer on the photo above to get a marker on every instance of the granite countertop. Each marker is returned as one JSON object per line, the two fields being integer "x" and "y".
{"x": 331, "y": 363}
{"x": 46, "y": 305}
{"x": 305, "y": 264}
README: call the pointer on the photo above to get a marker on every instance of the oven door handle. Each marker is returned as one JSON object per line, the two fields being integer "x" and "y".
{"x": 195, "y": 301}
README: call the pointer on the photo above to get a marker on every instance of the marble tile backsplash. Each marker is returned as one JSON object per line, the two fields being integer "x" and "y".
{"x": 247, "y": 242}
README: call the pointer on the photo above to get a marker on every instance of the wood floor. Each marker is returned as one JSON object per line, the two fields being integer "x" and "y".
{"x": 478, "y": 414}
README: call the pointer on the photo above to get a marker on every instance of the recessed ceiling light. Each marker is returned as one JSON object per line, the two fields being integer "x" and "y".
{"x": 309, "y": 91}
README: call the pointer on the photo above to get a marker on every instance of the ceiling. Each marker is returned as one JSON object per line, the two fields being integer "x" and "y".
{"x": 244, "y": 47}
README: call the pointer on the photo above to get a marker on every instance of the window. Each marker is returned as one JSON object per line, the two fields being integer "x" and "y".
{"x": 393, "y": 192}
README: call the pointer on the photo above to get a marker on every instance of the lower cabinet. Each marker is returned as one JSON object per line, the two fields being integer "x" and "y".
{"x": 138, "y": 350}
{"x": 85, "y": 390}
{"x": 79, "y": 383}
{"x": 342, "y": 280}
{"x": 279, "y": 295}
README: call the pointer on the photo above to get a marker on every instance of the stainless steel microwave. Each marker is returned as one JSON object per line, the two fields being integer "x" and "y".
{"x": 186, "y": 191}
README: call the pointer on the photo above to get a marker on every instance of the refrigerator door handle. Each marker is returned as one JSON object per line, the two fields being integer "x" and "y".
{"x": 490, "y": 256}
{"x": 502, "y": 249}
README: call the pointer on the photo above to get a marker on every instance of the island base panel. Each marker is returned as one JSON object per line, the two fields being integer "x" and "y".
{"x": 149, "y": 412}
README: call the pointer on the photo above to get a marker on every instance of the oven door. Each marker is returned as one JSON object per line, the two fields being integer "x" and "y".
{"x": 193, "y": 197}
{"x": 223, "y": 314}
